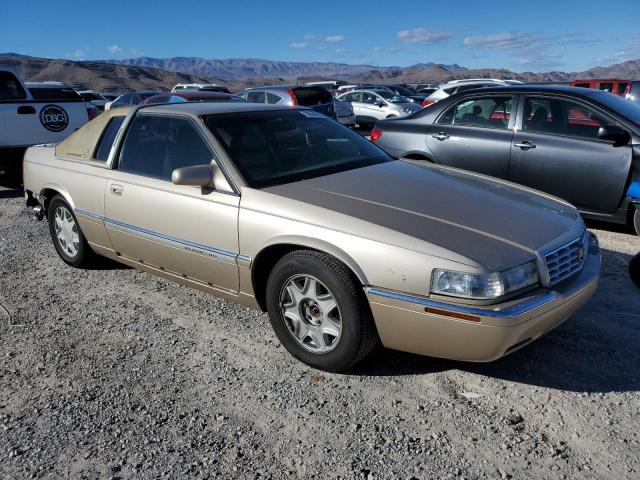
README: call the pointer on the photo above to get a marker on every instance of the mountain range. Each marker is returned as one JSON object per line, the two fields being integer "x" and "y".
{"x": 146, "y": 72}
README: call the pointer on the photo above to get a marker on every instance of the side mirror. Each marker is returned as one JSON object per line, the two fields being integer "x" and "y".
{"x": 197, "y": 176}
{"x": 380, "y": 103}
{"x": 613, "y": 133}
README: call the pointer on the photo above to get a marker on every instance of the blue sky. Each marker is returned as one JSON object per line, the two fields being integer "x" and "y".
{"x": 534, "y": 35}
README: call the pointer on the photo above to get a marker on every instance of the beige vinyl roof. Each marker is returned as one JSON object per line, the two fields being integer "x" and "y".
{"x": 81, "y": 144}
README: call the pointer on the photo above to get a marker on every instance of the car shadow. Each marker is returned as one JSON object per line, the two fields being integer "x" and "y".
{"x": 595, "y": 351}
{"x": 10, "y": 193}
{"x": 104, "y": 263}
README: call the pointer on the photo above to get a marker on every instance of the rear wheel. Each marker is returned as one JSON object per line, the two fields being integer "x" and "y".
{"x": 318, "y": 311}
{"x": 636, "y": 219}
{"x": 66, "y": 235}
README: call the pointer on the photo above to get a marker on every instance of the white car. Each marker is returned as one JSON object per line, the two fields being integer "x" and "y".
{"x": 371, "y": 105}
{"x": 209, "y": 87}
{"x": 35, "y": 113}
{"x": 455, "y": 86}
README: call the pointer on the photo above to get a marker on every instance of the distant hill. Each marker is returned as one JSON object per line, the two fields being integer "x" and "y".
{"x": 251, "y": 69}
{"x": 234, "y": 69}
{"x": 98, "y": 76}
{"x": 236, "y": 73}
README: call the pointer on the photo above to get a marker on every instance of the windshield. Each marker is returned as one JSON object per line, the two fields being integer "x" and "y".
{"x": 629, "y": 110}
{"x": 392, "y": 97}
{"x": 281, "y": 146}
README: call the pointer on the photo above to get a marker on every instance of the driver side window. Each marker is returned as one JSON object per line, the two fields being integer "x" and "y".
{"x": 156, "y": 145}
{"x": 369, "y": 98}
{"x": 487, "y": 112}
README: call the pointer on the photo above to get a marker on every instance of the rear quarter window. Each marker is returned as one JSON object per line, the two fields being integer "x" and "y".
{"x": 108, "y": 137}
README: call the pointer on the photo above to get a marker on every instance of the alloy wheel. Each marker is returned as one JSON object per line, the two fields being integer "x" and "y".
{"x": 310, "y": 313}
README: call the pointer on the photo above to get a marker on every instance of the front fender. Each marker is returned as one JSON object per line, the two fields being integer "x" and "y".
{"x": 317, "y": 244}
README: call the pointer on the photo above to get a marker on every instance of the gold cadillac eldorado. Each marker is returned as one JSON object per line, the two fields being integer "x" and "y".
{"x": 287, "y": 211}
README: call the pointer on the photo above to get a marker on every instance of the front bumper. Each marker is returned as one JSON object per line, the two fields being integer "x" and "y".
{"x": 479, "y": 334}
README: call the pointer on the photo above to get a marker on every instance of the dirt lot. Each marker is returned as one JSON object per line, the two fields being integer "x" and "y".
{"x": 113, "y": 373}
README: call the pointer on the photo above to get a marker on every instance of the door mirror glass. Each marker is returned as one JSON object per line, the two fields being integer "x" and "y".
{"x": 197, "y": 176}
{"x": 615, "y": 134}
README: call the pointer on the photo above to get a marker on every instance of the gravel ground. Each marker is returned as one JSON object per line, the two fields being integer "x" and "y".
{"x": 114, "y": 373}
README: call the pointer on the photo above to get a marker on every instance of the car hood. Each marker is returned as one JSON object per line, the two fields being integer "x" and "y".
{"x": 494, "y": 223}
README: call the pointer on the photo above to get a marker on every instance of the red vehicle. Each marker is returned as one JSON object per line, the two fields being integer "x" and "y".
{"x": 614, "y": 86}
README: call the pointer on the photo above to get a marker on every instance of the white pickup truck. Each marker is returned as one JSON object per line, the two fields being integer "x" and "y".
{"x": 37, "y": 113}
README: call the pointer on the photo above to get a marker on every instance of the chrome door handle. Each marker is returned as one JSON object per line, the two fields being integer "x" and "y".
{"x": 526, "y": 145}
{"x": 116, "y": 189}
{"x": 440, "y": 136}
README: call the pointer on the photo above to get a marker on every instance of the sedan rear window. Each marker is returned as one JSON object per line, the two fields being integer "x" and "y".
{"x": 312, "y": 96}
{"x": 52, "y": 94}
{"x": 275, "y": 147}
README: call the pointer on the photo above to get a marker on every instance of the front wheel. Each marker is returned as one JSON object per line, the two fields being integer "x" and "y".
{"x": 318, "y": 311}
{"x": 66, "y": 235}
{"x": 636, "y": 219}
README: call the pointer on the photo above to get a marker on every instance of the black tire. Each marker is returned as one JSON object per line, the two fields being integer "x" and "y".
{"x": 634, "y": 269}
{"x": 358, "y": 333}
{"x": 636, "y": 220}
{"x": 83, "y": 254}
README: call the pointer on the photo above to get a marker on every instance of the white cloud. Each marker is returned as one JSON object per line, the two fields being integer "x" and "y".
{"x": 422, "y": 36}
{"x": 335, "y": 38}
{"x": 386, "y": 49}
{"x": 115, "y": 49}
{"x": 310, "y": 37}
{"x": 503, "y": 40}
{"x": 298, "y": 45}
{"x": 78, "y": 54}
{"x": 135, "y": 52}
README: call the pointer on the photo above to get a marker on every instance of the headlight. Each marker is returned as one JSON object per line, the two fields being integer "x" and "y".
{"x": 483, "y": 286}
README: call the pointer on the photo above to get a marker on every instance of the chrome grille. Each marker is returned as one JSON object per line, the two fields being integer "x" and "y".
{"x": 567, "y": 260}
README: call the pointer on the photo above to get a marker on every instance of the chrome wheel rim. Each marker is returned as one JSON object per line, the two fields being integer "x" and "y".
{"x": 310, "y": 313}
{"x": 66, "y": 231}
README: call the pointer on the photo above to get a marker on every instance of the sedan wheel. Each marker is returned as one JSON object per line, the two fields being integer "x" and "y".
{"x": 311, "y": 313}
{"x": 319, "y": 312}
{"x": 66, "y": 234}
{"x": 66, "y": 231}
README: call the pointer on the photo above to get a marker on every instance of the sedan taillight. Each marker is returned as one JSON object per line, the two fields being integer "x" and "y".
{"x": 427, "y": 101}
{"x": 376, "y": 133}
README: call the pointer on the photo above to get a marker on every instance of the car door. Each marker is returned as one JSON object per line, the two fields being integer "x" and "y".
{"x": 475, "y": 134}
{"x": 374, "y": 106}
{"x": 556, "y": 149}
{"x": 185, "y": 230}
